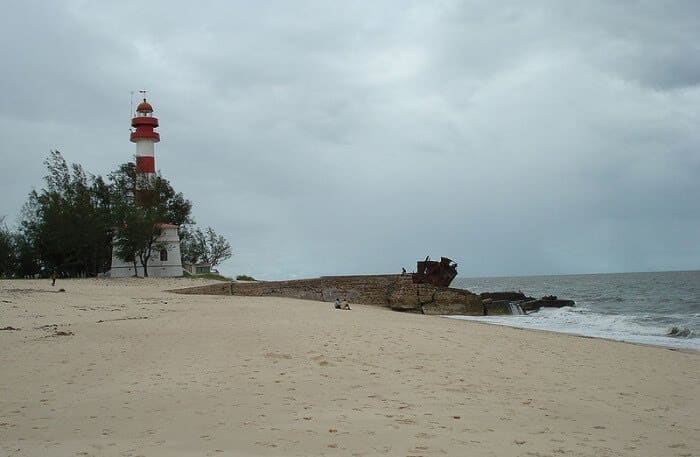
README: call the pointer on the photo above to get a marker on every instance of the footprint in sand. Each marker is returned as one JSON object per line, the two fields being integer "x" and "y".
{"x": 277, "y": 355}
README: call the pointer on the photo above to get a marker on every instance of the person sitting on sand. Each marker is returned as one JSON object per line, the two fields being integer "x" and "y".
{"x": 346, "y": 305}
{"x": 337, "y": 303}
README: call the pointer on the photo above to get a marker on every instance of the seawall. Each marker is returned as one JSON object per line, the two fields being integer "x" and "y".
{"x": 396, "y": 291}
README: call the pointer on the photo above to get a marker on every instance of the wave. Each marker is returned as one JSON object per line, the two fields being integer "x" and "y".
{"x": 638, "y": 328}
{"x": 635, "y": 307}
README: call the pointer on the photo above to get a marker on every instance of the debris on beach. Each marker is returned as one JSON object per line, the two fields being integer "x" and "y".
{"x": 56, "y": 331}
{"x": 21, "y": 291}
{"x": 47, "y": 327}
{"x": 122, "y": 319}
{"x": 10, "y": 328}
{"x": 680, "y": 332}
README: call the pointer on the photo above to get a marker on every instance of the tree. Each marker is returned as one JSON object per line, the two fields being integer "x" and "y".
{"x": 139, "y": 226}
{"x": 137, "y": 236}
{"x": 69, "y": 225}
{"x": 8, "y": 258}
{"x": 66, "y": 224}
{"x": 218, "y": 249}
{"x": 193, "y": 245}
{"x": 27, "y": 259}
{"x": 208, "y": 247}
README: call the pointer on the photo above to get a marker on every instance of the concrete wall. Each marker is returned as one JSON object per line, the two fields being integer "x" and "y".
{"x": 397, "y": 292}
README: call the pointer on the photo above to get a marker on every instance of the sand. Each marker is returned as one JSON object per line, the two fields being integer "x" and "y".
{"x": 123, "y": 368}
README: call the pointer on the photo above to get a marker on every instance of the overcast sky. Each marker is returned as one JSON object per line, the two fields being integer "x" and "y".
{"x": 322, "y": 138}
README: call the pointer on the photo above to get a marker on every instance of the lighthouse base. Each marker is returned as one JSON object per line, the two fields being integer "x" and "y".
{"x": 164, "y": 263}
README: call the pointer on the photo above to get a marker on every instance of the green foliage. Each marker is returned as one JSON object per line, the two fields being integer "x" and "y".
{"x": 74, "y": 222}
{"x": 204, "y": 247}
{"x": 193, "y": 246}
{"x": 8, "y": 257}
{"x": 245, "y": 278}
{"x": 28, "y": 261}
{"x": 138, "y": 225}
{"x": 137, "y": 234}
{"x": 66, "y": 224}
{"x": 213, "y": 276}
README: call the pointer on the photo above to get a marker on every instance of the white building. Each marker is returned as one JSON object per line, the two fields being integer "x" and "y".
{"x": 197, "y": 268}
{"x": 164, "y": 263}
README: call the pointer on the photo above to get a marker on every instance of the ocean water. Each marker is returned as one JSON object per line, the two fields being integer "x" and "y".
{"x": 633, "y": 307}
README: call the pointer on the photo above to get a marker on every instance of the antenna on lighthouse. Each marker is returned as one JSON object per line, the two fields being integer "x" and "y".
{"x": 143, "y": 92}
{"x": 131, "y": 107}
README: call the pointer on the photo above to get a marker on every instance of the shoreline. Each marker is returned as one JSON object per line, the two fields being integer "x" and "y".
{"x": 578, "y": 335}
{"x": 119, "y": 367}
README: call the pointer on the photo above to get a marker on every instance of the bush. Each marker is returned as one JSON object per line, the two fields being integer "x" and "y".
{"x": 214, "y": 276}
{"x": 245, "y": 278}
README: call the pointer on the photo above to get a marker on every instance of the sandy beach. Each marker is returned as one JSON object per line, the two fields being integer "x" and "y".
{"x": 124, "y": 368}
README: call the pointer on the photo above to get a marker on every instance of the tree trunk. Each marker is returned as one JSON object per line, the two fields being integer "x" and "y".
{"x": 144, "y": 263}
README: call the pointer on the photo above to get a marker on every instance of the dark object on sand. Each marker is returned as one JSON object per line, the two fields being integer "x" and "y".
{"x": 9, "y": 328}
{"x": 63, "y": 333}
{"x": 682, "y": 332}
{"x": 439, "y": 274}
{"x": 550, "y": 301}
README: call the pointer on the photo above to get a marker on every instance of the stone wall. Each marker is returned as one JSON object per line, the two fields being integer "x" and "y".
{"x": 220, "y": 288}
{"x": 397, "y": 292}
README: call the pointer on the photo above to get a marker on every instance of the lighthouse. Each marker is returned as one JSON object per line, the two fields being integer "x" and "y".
{"x": 145, "y": 137}
{"x": 167, "y": 262}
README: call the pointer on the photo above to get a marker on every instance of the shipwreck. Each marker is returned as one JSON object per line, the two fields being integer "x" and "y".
{"x": 439, "y": 274}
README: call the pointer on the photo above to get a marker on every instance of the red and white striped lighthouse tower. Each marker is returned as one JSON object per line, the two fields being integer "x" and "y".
{"x": 145, "y": 138}
{"x": 169, "y": 261}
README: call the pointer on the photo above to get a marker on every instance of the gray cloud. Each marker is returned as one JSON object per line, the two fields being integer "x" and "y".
{"x": 517, "y": 139}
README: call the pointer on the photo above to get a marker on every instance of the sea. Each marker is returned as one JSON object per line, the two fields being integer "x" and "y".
{"x": 660, "y": 308}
